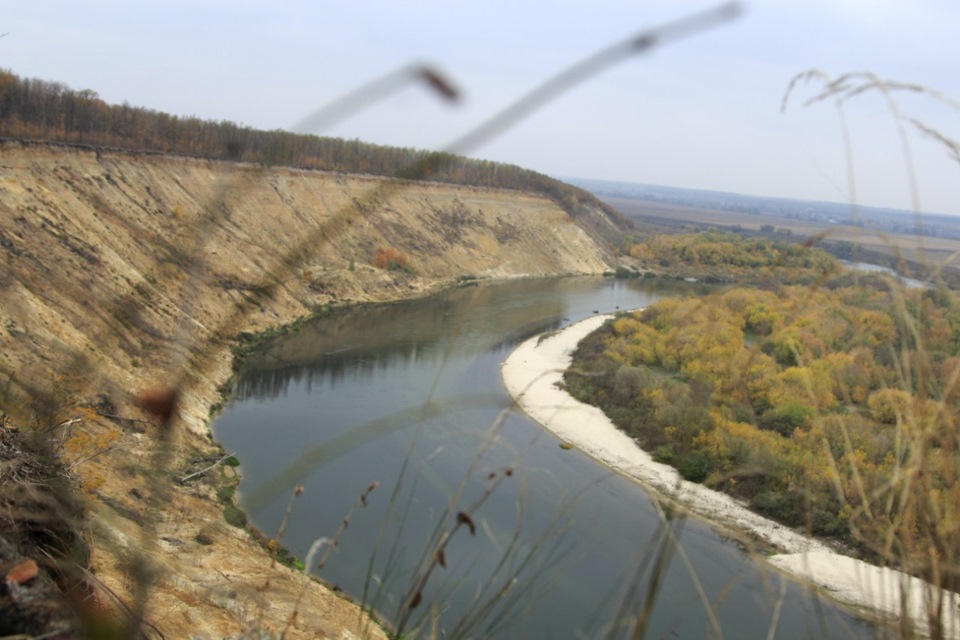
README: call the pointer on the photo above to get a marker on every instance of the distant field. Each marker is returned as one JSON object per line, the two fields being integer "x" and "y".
{"x": 937, "y": 251}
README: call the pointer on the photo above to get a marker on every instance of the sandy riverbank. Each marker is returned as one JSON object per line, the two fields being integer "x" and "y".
{"x": 530, "y": 375}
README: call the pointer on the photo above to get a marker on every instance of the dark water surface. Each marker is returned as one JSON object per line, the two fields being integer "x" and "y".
{"x": 409, "y": 395}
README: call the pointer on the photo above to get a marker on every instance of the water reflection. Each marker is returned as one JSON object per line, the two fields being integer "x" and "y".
{"x": 409, "y": 395}
{"x": 868, "y": 267}
{"x": 359, "y": 342}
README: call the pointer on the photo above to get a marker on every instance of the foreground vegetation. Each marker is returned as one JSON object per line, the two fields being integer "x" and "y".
{"x": 830, "y": 408}
{"x": 905, "y": 517}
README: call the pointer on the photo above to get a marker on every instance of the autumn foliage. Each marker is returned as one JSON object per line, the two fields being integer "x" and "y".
{"x": 390, "y": 259}
{"x": 728, "y": 257}
{"x": 833, "y": 408}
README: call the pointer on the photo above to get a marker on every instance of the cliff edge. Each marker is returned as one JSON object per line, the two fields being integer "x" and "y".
{"x": 126, "y": 276}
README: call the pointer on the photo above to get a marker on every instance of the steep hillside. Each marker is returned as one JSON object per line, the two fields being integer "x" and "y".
{"x": 34, "y": 109}
{"x": 123, "y": 273}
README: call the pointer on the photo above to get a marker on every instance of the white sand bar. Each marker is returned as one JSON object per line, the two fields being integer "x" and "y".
{"x": 531, "y": 374}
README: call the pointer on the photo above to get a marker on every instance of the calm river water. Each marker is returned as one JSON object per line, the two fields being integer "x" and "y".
{"x": 409, "y": 395}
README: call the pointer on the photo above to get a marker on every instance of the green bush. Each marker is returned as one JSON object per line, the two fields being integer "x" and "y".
{"x": 664, "y": 454}
{"x": 786, "y": 418}
{"x": 824, "y": 522}
{"x": 779, "y": 504}
{"x": 234, "y": 516}
{"x": 695, "y": 466}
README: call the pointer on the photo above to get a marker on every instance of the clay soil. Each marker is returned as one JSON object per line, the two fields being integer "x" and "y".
{"x": 125, "y": 283}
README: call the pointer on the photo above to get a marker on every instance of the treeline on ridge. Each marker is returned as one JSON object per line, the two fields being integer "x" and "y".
{"x": 829, "y": 408}
{"x": 35, "y": 109}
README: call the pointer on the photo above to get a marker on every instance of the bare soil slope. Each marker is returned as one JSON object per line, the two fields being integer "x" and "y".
{"x": 123, "y": 273}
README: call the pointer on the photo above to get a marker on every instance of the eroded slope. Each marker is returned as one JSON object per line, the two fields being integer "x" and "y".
{"x": 124, "y": 272}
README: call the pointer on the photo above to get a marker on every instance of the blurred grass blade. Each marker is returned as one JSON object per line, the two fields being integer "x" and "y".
{"x": 377, "y": 89}
{"x": 590, "y": 66}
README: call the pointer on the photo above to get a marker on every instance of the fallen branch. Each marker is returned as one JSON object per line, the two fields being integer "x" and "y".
{"x": 203, "y": 471}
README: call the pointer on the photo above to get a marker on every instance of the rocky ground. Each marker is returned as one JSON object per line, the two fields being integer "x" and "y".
{"x": 125, "y": 281}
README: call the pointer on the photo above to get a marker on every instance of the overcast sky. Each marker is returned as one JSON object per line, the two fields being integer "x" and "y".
{"x": 703, "y": 112}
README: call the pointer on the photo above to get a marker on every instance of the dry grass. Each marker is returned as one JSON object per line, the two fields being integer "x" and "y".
{"x": 150, "y": 406}
{"x": 922, "y": 489}
{"x": 911, "y": 520}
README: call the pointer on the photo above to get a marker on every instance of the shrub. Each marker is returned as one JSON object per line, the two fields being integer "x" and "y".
{"x": 887, "y": 404}
{"x": 664, "y": 454}
{"x": 695, "y": 466}
{"x": 234, "y": 516}
{"x": 786, "y": 418}
{"x": 779, "y": 504}
{"x": 390, "y": 259}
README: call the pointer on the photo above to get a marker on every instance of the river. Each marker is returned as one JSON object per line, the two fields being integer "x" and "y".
{"x": 409, "y": 395}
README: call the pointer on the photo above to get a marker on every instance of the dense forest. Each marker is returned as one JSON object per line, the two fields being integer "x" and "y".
{"x": 726, "y": 257}
{"x": 832, "y": 408}
{"x": 49, "y": 111}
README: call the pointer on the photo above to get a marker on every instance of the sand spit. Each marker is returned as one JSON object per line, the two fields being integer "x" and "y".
{"x": 531, "y": 374}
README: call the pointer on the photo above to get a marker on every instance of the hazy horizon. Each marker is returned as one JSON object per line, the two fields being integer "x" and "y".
{"x": 700, "y": 113}
{"x": 576, "y": 180}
